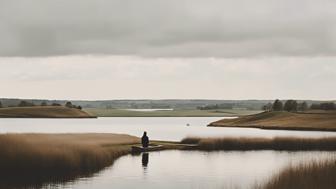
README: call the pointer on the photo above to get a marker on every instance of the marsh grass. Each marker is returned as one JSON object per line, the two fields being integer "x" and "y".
{"x": 318, "y": 174}
{"x": 305, "y": 176}
{"x": 309, "y": 121}
{"x": 35, "y": 158}
{"x": 277, "y": 143}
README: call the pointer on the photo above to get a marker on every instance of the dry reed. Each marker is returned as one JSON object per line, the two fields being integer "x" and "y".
{"x": 305, "y": 176}
{"x": 37, "y": 158}
{"x": 277, "y": 143}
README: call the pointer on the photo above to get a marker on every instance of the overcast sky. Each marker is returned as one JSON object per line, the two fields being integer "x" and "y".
{"x": 121, "y": 49}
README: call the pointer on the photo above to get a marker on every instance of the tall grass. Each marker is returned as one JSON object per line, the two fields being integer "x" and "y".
{"x": 37, "y": 158}
{"x": 305, "y": 176}
{"x": 278, "y": 143}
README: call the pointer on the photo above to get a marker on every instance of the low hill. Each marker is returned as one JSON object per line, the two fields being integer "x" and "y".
{"x": 43, "y": 112}
{"x": 324, "y": 121}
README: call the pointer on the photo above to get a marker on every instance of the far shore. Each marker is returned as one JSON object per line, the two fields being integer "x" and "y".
{"x": 279, "y": 128}
{"x": 43, "y": 112}
{"x": 301, "y": 121}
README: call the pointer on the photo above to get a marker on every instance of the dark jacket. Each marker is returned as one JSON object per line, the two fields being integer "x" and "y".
{"x": 144, "y": 141}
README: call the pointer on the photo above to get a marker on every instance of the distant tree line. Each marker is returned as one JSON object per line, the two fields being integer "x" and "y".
{"x": 70, "y": 105}
{"x": 24, "y": 103}
{"x": 216, "y": 106}
{"x": 52, "y": 104}
{"x": 294, "y": 106}
{"x": 323, "y": 106}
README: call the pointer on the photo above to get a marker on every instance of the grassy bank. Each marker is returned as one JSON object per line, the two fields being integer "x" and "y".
{"x": 43, "y": 112}
{"x": 283, "y": 120}
{"x": 305, "y": 176}
{"x": 102, "y": 112}
{"x": 36, "y": 158}
{"x": 278, "y": 143}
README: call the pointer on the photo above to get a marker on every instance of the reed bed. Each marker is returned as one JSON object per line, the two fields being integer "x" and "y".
{"x": 36, "y": 158}
{"x": 305, "y": 176}
{"x": 277, "y": 143}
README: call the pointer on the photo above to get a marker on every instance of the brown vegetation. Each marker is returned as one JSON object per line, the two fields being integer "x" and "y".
{"x": 278, "y": 143}
{"x": 305, "y": 176}
{"x": 33, "y": 158}
{"x": 43, "y": 112}
{"x": 283, "y": 120}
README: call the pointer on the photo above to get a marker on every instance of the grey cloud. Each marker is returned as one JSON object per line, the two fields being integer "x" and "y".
{"x": 175, "y": 28}
{"x": 113, "y": 77}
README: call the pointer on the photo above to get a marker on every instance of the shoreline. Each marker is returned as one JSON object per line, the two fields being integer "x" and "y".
{"x": 276, "y": 128}
{"x": 296, "y": 121}
{"x": 254, "y": 144}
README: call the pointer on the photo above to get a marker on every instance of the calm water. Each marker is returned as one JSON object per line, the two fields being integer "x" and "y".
{"x": 185, "y": 169}
{"x": 150, "y": 110}
{"x": 158, "y": 128}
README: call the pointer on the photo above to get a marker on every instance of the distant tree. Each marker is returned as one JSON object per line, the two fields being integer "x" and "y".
{"x": 324, "y": 106}
{"x": 302, "y": 106}
{"x": 25, "y": 104}
{"x": 328, "y": 106}
{"x": 22, "y": 103}
{"x": 0, "y": 104}
{"x": 207, "y": 107}
{"x": 55, "y": 104}
{"x": 291, "y": 106}
{"x": 79, "y": 107}
{"x": 68, "y": 104}
{"x": 315, "y": 107}
{"x": 277, "y": 105}
{"x": 268, "y": 107}
{"x": 44, "y": 104}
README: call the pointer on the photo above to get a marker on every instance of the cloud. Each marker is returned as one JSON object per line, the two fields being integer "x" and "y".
{"x": 124, "y": 77}
{"x": 175, "y": 28}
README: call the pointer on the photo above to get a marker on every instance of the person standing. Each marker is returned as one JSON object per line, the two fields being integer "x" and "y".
{"x": 144, "y": 140}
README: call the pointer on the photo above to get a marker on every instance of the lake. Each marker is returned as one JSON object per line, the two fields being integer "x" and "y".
{"x": 189, "y": 169}
{"x": 172, "y": 168}
{"x": 158, "y": 128}
{"x": 150, "y": 110}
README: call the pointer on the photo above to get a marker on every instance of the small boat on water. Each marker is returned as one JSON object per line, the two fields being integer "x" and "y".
{"x": 138, "y": 149}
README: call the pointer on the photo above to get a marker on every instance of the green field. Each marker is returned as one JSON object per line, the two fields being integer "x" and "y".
{"x": 102, "y": 112}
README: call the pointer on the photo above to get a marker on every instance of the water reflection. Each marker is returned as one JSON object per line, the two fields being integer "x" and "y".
{"x": 145, "y": 160}
{"x": 187, "y": 169}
